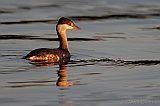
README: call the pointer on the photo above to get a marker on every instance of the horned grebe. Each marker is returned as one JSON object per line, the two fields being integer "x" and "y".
{"x": 58, "y": 54}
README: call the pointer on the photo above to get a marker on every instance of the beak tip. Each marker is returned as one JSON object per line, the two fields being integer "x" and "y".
{"x": 78, "y": 28}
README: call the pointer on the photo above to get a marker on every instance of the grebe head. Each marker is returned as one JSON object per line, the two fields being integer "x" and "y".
{"x": 66, "y": 24}
{"x": 61, "y": 27}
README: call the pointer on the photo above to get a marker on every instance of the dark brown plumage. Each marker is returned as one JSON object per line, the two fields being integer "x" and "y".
{"x": 64, "y": 20}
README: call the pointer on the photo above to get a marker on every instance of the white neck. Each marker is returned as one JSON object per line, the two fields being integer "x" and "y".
{"x": 61, "y": 32}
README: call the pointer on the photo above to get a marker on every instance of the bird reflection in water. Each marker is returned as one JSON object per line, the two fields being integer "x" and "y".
{"x": 62, "y": 77}
{"x": 62, "y": 80}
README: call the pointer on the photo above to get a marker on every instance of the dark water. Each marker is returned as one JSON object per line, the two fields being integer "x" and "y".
{"x": 115, "y": 57}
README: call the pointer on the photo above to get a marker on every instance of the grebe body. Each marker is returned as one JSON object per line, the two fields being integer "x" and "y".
{"x": 47, "y": 54}
{"x": 58, "y": 54}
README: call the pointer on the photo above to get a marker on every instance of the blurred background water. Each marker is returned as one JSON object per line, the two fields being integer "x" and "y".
{"x": 115, "y": 56}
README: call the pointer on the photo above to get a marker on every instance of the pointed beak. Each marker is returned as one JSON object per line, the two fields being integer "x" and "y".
{"x": 76, "y": 27}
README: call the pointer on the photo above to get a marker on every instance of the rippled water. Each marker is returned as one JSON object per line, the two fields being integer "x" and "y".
{"x": 115, "y": 57}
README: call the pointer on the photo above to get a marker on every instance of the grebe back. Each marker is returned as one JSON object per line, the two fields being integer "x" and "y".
{"x": 58, "y": 54}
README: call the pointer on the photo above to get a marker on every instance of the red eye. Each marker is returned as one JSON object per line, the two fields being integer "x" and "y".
{"x": 70, "y": 23}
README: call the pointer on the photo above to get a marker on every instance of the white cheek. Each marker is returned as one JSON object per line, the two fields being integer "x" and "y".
{"x": 64, "y": 27}
{"x": 67, "y": 26}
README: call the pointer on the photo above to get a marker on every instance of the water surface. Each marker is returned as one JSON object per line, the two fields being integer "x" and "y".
{"x": 115, "y": 57}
